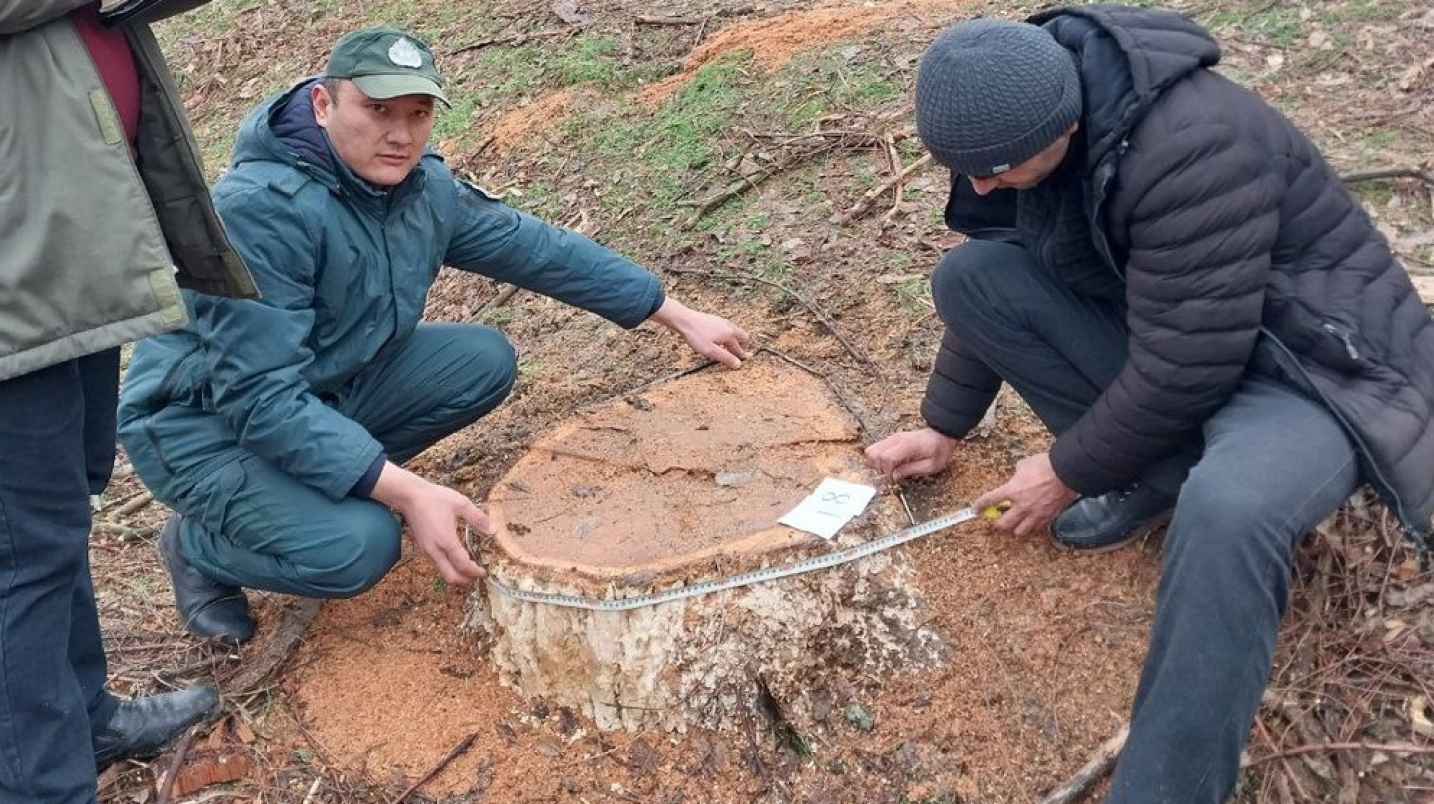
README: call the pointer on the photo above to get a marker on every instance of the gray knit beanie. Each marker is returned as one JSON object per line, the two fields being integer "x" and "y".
{"x": 991, "y": 94}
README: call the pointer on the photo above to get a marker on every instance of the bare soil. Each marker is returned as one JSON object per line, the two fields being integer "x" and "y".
{"x": 1045, "y": 647}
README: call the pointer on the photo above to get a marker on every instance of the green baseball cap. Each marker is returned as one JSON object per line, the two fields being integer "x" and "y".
{"x": 386, "y": 63}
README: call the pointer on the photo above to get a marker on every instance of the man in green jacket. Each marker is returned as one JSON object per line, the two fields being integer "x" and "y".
{"x": 277, "y": 428}
{"x": 102, "y": 199}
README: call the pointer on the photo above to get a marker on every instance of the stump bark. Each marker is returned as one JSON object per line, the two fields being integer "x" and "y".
{"x": 675, "y": 485}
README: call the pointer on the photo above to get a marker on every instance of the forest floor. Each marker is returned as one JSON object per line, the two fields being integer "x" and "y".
{"x": 761, "y": 158}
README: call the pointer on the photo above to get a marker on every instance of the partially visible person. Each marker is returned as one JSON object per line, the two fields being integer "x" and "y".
{"x": 1182, "y": 289}
{"x": 102, "y": 198}
{"x": 277, "y": 429}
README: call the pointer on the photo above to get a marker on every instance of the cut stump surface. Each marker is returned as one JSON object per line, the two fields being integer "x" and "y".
{"x": 677, "y": 484}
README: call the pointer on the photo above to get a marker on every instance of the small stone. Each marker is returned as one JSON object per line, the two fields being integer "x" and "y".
{"x": 858, "y": 717}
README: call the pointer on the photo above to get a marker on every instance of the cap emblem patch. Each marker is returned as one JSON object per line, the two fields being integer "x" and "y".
{"x": 404, "y": 53}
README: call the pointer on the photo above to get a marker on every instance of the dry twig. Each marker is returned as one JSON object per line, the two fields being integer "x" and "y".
{"x": 1388, "y": 748}
{"x": 816, "y": 311}
{"x": 515, "y": 39}
{"x": 463, "y": 745}
{"x": 1423, "y": 172}
{"x": 1099, "y": 765}
{"x": 166, "y": 788}
{"x": 286, "y": 635}
{"x": 654, "y": 20}
{"x": 868, "y": 198}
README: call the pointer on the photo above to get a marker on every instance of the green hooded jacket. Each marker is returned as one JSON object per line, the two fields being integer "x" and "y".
{"x": 345, "y": 269}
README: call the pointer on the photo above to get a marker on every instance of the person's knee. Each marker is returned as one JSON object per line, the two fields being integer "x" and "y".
{"x": 358, "y": 561}
{"x": 495, "y": 366}
{"x": 971, "y": 274}
{"x": 1225, "y": 531}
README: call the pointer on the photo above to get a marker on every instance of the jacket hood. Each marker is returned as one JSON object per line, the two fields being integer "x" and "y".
{"x": 282, "y": 129}
{"x": 1127, "y": 58}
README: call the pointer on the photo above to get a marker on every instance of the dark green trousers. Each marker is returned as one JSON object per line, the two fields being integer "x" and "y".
{"x": 247, "y": 523}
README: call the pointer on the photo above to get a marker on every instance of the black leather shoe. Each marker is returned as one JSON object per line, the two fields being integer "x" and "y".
{"x": 209, "y": 609}
{"x": 1114, "y": 519}
{"x": 141, "y": 727}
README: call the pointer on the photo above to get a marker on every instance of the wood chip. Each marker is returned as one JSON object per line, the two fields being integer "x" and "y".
{"x": 209, "y": 769}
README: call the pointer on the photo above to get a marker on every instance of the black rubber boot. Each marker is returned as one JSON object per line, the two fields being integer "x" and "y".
{"x": 208, "y": 609}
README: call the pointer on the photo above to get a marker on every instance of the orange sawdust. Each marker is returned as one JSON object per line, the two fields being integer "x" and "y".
{"x": 532, "y": 119}
{"x": 775, "y": 41}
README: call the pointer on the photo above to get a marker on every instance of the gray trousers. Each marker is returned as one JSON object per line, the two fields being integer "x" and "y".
{"x": 1270, "y": 466}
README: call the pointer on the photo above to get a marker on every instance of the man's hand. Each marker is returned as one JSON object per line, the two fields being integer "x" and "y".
{"x": 1035, "y": 493}
{"x": 915, "y": 453}
{"x": 432, "y": 513}
{"x": 711, "y": 336}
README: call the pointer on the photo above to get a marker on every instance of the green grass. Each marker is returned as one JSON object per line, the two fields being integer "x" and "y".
{"x": 501, "y": 74}
{"x": 659, "y": 154}
{"x": 827, "y": 81}
{"x": 456, "y": 122}
{"x": 1280, "y": 26}
{"x": 754, "y": 257}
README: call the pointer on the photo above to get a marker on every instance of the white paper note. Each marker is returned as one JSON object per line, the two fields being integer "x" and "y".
{"x": 831, "y": 506}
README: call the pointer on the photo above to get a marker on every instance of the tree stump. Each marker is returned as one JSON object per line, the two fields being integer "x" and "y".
{"x": 677, "y": 484}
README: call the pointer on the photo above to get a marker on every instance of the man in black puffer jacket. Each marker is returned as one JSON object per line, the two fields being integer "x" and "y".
{"x": 1189, "y": 298}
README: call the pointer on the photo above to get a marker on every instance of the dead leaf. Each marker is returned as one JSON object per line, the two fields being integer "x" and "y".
{"x": 641, "y": 758}
{"x": 1393, "y": 629}
{"x": 1411, "y": 77}
{"x": 1418, "y": 707}
{"x": 1424, "y": 286}
{"x": 567, "y": 11}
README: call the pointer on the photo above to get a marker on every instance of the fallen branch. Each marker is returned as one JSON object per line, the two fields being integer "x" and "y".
{"x": 1391, "y": 748}
{"x": 863, "y": 204}
{"x": 817, "y": 312}
{"x": 166, "y": 788}
{"x": 122, "y": 532}
{"x": 133, "y": 506}
{"x": 463, "y": 745}
{"x": 1422, "y": 172}
{"x": 497, "y": 301}
{"x": 291, "y": 627}
{"x": 841, "y": 138}
{"x": 1099, "y": 765}
{"x": 111, "y": 504}
{"x": 514, "y": 39}
{"x": 736, "y": 188}
{"x": 669, "y": 20}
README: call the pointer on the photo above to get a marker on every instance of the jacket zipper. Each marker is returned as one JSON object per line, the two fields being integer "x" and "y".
{"x": 1344, "y": 337}
{"x": 1377, "y": 479}
{"x": 1418, "y": 534}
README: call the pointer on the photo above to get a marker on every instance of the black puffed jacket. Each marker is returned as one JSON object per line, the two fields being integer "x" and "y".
{"x": 1240, "y": 250}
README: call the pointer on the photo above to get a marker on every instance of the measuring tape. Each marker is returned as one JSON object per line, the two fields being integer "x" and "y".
{"x": 772, "y": 573}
